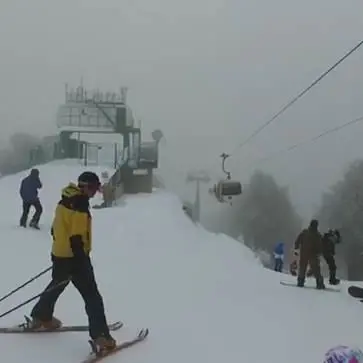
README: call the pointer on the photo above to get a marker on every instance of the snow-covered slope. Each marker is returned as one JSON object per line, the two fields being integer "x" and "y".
{"x": 205, "y": 297}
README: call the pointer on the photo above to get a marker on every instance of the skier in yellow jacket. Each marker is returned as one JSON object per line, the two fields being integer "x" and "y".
{"x": 72, "y": 244}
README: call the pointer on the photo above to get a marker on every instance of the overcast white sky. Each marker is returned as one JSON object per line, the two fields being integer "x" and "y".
{"x": 206, "y": 72}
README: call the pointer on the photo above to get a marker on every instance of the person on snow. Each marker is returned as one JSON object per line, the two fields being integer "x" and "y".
{"x": 279, "y": 256}
{"x": 330, "y": 239}
{"x": 309, "y": 245}
{"x": 72, "y": 243}
{"x": 29, "y": 194}
{"x": 106, "y": 189}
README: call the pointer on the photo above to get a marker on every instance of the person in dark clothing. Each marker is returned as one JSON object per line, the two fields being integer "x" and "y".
{"x": 330, "y": 239}
{"x": 29, "y": 194}
{"x": 309, "y": 245}
{"x": 72, "y": 244}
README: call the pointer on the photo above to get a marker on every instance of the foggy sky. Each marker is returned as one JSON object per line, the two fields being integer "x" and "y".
{"x": 216, "y": 69}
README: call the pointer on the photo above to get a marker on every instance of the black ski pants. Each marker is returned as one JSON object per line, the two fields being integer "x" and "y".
{"x": 278, "y": 264}
{"x": 330, "y": 260}
{"x": 314, "y": 263}
{"x": 82, "y": 276}
{"x": 26, "y": 209}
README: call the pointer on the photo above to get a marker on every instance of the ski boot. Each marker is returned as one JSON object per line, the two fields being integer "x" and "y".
{"x": 103, "y": 343}
{"x": 300, "y": 282}
{"x": 333, "y": 280}
{"x": 320, "y": 284}
{"x": 38, "y": 324}
{"x": 34, "y": 225}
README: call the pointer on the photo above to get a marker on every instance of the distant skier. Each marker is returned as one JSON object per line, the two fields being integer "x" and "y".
{"x": 29, "y": 195}
{"x": 279, "y": 256}
{"x": 309, "y": 247}
{"x": 106, "y": 189}
{"x": 72, "y": 232}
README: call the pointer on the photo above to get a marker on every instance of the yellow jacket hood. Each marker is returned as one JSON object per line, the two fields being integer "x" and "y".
{"x": 71, "y": 190}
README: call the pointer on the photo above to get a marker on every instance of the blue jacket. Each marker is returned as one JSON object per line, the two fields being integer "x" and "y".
{"x": 279, "y": 249}
{"x": 29, "y": 187}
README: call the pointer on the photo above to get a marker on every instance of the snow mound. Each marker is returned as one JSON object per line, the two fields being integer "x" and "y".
{"x": 205, "y": 297}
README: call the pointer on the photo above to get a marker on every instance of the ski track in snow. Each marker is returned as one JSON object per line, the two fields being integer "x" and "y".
{"x": 205, "y": 297}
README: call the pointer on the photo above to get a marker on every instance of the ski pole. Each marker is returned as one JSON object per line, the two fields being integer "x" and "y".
{"x": 33, "y": 298}
{"x": 25, "y": 283}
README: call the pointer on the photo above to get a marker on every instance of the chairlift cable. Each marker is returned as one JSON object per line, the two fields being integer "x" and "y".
{"x": 291, "y": 103}
{"x": 311, "y": 140}
{"x": 296, "y": 98}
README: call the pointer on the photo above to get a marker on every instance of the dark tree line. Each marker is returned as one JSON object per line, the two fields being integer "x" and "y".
{"x": 342, "y": 207}
{"x": 16, "y": 157}
{"x": 266, "y": 213}
{"x": 263, "y": 215}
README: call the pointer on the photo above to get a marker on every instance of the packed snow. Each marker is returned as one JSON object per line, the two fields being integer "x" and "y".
{"x": 205, "y": 297}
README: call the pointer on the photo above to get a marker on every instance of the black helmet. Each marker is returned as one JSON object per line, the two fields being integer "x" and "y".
{"x": 314, "y": 224}
{"x": 89, "y": 178}
{"x": 34, "y": 172}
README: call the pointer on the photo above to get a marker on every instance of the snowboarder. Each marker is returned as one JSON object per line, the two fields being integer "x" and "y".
{"x": 330, "y": 239}
{"x": 309, "y": 245}
{"x": 29, "y": 194}
{"x": 279, "y": 256}
{"x": 71, "y": 231}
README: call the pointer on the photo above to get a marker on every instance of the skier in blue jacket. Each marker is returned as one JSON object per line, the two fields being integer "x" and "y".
{"x": 279, "y": 256}
{"x": 29, "y": 195}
